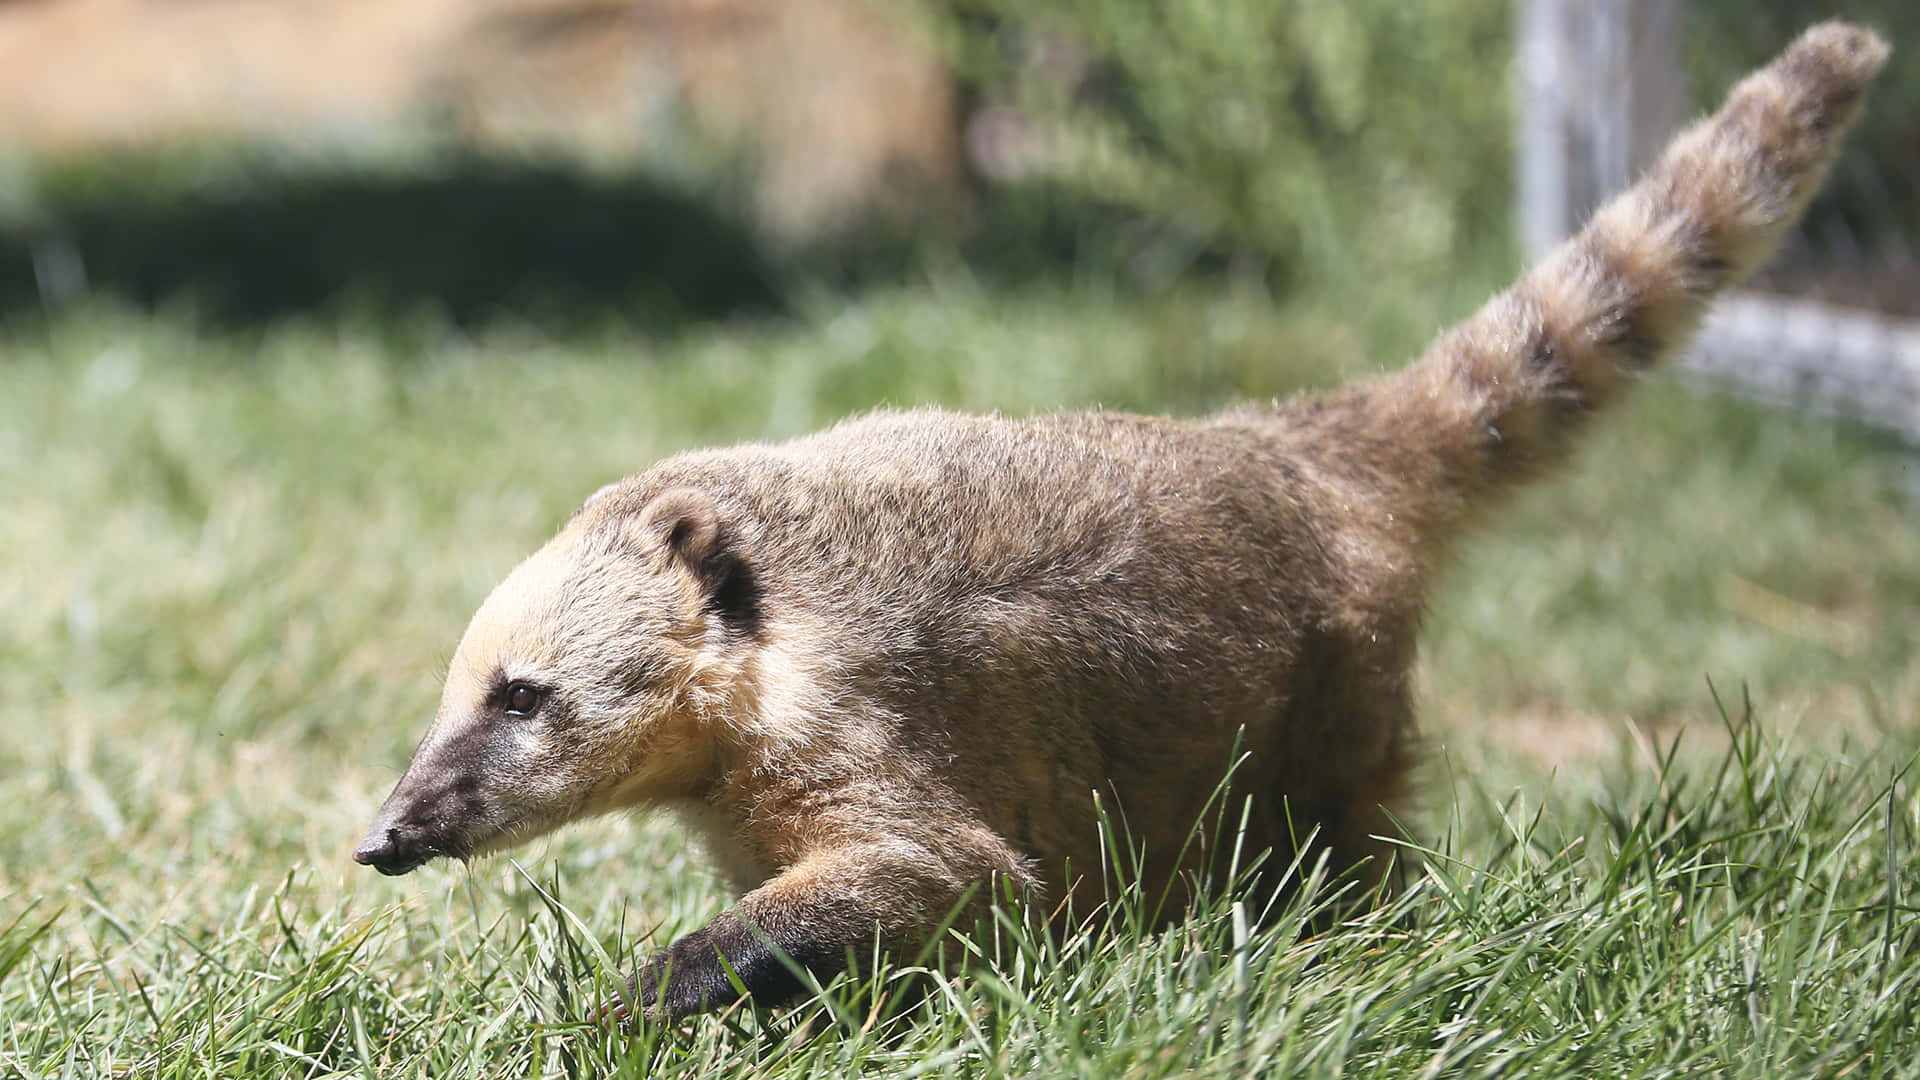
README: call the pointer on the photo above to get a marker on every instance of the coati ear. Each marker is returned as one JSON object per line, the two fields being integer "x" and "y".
{"x": 686, "y": 521}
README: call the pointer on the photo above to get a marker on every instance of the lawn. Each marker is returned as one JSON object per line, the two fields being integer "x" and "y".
{"x": 1671, "y": 695}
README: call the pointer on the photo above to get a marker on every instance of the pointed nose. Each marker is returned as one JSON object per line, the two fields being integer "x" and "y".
{"x": 390, "y": 850}
{"x": 379, "y": 846}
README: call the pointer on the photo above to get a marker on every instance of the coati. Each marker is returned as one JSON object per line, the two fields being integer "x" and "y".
{"x": 893, "y": 662}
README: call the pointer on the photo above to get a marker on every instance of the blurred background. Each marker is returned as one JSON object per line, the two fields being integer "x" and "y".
{"x": 658, "y": 161}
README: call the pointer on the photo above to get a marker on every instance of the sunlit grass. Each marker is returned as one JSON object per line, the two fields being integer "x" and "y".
{"x": 235, "y": 562}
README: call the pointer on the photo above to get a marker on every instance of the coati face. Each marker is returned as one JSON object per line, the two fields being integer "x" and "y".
{"x": 593, "y": 679}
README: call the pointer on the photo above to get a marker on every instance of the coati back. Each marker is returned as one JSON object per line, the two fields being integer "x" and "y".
{"x": 892, "y": 662}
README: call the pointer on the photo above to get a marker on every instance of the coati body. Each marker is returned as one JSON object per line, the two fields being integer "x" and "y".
{"x": 896, "y": 660}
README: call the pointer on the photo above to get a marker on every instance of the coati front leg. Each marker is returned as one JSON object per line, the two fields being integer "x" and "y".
{"x": 825, "y": 910}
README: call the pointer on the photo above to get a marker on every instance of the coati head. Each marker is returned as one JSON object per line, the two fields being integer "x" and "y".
{"x": 593, "y": 679}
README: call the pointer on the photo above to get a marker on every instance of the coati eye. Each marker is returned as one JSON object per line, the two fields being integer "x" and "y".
{"x": 522, "y": 698}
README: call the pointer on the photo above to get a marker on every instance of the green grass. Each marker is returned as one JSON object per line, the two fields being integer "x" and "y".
{"x": 236, "y": 560}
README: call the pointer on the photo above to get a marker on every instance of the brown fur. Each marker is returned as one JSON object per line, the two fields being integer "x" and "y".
{"x": 898, "y": 659}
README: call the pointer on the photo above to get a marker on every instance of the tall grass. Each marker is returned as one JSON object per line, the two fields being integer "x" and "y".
{"x": 236, "y": 560}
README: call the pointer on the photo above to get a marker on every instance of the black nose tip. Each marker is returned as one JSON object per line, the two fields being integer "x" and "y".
{"x": 389, "y": 851}
{"x": 377, "y": 847}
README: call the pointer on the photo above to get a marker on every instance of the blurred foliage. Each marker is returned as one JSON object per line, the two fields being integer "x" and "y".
{"x": 1335, "y": 139}
{"x": 243, "y": 236}
{"x": 248, "y": 235}
{"x": 1336, "y": 147}
{"x": 1311, "y": 147}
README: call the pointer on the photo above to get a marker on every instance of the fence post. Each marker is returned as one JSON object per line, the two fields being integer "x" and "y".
{"x": 1602, "y": 88}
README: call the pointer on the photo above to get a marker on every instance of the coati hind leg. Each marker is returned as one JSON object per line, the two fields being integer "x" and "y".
{"x": 1347, "y": 829}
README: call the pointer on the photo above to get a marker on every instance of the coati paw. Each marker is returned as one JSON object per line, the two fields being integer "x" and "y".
{"x": 643, "y": 1000}
{"x": 704, "y": 971}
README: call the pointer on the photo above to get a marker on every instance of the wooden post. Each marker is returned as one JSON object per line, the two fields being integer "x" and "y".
{"x": 1602, "y": 88}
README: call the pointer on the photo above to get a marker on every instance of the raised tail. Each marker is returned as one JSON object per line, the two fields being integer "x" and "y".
{"x": 1502, "y": 394}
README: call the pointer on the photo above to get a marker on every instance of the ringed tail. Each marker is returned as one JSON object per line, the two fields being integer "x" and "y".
{"x": 1502, "y": 394}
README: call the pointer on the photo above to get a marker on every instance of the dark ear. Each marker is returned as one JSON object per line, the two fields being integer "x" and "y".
{"x": 686, "y": 521}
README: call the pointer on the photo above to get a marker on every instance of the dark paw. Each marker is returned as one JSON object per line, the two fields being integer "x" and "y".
{"x": 702, "y": 972}
{"x": 626, "y": 1010}
{"x": 687, "y": 979}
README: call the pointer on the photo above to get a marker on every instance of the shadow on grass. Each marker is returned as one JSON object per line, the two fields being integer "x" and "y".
{"x": 243, "y": 240}
{"x": 472, "y": 238}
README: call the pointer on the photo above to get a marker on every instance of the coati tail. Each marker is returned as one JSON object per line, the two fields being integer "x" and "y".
{"x": 1501, "y": 394}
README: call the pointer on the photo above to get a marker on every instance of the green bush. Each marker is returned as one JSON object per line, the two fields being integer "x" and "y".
{"x": 1341, "y": 140}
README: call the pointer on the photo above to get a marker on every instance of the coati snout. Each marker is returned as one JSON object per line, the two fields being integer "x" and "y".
{"x": 893, "y": 662}
{"x": 587, "y": 682}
